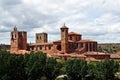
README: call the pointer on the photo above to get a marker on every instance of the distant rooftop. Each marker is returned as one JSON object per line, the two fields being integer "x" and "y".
{"x": 73, "y": 33}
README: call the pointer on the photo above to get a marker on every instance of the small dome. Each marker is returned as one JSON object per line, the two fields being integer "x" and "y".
{"x": 64, "y": 27}
{"x": 73, "y": 33}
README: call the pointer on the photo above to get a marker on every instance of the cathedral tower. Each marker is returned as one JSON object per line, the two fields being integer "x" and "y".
{"x": 18, "y": 40}
{"x": 41, "y": 37}
{"x": 64, "y": 39}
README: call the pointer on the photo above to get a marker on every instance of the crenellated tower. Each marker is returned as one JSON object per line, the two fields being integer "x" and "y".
{"x": 41, "y": 37}
{"x": 18, "y": 40}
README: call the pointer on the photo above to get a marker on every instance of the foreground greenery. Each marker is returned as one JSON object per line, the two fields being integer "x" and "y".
{"x": 36, "y": 66}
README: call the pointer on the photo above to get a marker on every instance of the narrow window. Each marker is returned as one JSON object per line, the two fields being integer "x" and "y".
{"x": 37, "y": 37}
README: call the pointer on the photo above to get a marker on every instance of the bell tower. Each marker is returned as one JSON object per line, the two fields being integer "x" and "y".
{"x": 41, "y": 37}
{"x": 64, "y": 38}
{"x": 18, "y": 40}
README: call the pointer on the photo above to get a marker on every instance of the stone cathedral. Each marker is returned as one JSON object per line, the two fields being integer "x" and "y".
{"x": 70, "y": 42}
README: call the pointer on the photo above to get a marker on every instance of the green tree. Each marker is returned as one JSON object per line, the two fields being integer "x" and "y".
{"x": 34, "y": 65}
{"x": 11, "y": 66}
{"x": 76, "y": 69}
{"x": 91, "y": 70}
{"x": 105, "y": 70}
{"x": 3, "y": 66}
{"x": 100, "y": 49}
{"x": 52, "y": 69}
{"x": 62, "y": 66}
{"x": 15, "y": 67}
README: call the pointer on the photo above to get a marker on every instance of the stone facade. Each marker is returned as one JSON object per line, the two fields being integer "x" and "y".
{"x": 70, "y": 46}
{"x": 41, "y": 37}
{"x": 98, "y": 56}
{"x": 18, "y": 40}
{"x": 70, "y": 42}
{"x": 64, "y": 39}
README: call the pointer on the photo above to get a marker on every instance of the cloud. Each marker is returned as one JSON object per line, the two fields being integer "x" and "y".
{"x": 8, "y": 3}
{"x": 94, "y": 19}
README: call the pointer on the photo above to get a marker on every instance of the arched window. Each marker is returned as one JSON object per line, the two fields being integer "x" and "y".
{"x": 37, "y": 37}
{"x": 12, "y": 37}
{"x": 70, "y": 37}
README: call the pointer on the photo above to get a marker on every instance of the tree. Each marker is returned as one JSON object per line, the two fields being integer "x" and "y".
{"x": 76, "y": 69}
{"x": 105, "y": 70}
{"x": 15, "y": 67}
{"x": 3, "y": 66}
{"x": 34, "y": 65}
{"x": 22, "y": 67}
{"x": 11, "y": 66}
{"x": 61, "y": 65}
{"x": 52, "y": 69}
{"x": 100, "y": 49}
{"x": 91, "y": 70}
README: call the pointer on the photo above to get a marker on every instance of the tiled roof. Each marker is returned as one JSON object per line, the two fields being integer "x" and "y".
{"x": 73, "y": 33}
{"x": 118, "y": 53}
{"x": 60, "y": 41}
{"x": 87, "y": 41}
{"x": 91, "y": 59}
{"x": 69, "y": 55}
{"x": 96, "y": 53}
{"x": 115, "y": 56}
{"x": 70, "y": 41}
{"x": 32, "y": 44}
{"x": 21, "y": 51}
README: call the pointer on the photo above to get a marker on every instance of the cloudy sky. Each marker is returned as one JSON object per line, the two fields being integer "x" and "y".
{"x": 95, "y": 19}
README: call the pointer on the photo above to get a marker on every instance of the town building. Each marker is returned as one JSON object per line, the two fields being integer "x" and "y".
{"x": 70, "y": 43}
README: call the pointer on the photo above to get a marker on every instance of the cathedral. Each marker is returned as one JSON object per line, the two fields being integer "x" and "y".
{"x": 70, "y": 42}
{"x": 71, "y": 45}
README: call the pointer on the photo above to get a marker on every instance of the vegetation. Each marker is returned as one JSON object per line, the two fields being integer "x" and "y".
{"x": 76, "y": 69}
{"x": 4, "y": 47}
{"x": 109, "y": 47}
{"x": 36, "y": 66}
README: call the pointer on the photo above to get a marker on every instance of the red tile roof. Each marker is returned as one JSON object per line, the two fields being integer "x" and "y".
{"x": 118, "y": 53}
{"x": 32, "y": 44}
{"x": 91, "y": 59}
{"x": 115, "y": 56}
{"x": 96, "y": 53}
{"x": 73, "y": 33}
{"x": 60, "y": 41}
{"x": 87, "y": 41}
{"x": 69, "y": 55}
